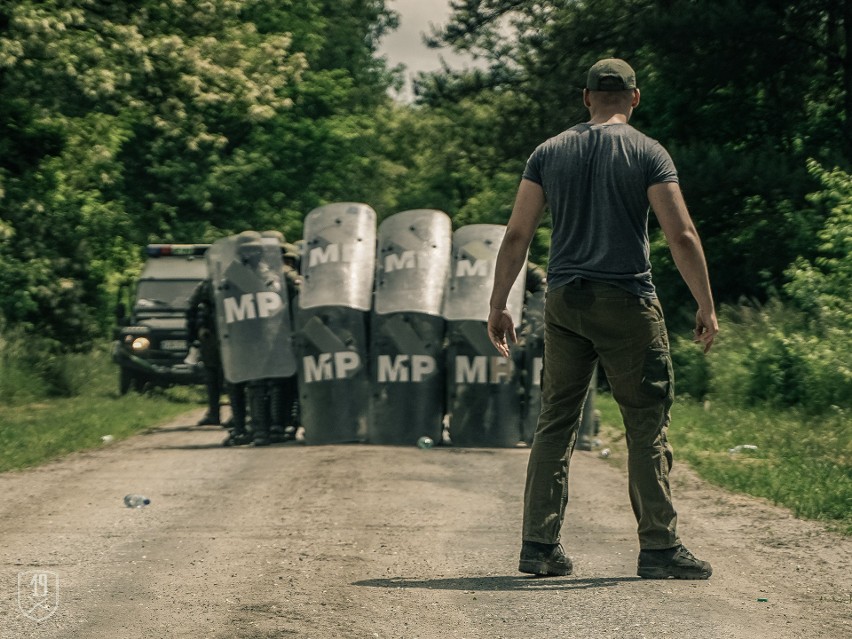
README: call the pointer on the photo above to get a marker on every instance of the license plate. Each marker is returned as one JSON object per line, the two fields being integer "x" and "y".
{"x": 173, "y": 344}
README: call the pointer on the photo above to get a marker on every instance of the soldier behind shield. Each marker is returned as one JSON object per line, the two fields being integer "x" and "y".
{"x": 201, "y": 329}
{"x": 250, "y": 255}
{"x": 291, "y": 256}
{"x": 254, "y": 327}
{"x": 250, "y": 252}
{"x": 283, "y": 392}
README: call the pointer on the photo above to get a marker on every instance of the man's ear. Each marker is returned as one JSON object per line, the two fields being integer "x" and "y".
{"x": 635, "y": 102}
{"x": 586, "y": 102}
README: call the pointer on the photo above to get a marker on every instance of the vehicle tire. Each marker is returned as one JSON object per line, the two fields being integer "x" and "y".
{"x": 140, "y": 384}
{"x": 125, "y": 380}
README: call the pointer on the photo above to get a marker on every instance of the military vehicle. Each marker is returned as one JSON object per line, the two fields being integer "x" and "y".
{"x": 151, "y": 337}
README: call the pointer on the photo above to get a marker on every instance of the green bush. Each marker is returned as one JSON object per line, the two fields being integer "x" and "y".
{"x": 771, "y": 355}
{"x": 794, "y": 352}
{"x": 691, "y": 369}
{"x": 32, "y": 369}
{"x": 18, "y": 383}
{"x": 778, "y": 372}
{"x": 66, "y": 374}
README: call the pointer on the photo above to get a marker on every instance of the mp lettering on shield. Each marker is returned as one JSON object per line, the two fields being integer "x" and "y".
{"x": 251, "y": 306}
{"x": 38, "y": 594}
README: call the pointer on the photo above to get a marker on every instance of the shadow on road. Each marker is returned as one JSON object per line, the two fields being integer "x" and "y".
{"x": 497, "y": 582}
{"x": 165, "y": 430}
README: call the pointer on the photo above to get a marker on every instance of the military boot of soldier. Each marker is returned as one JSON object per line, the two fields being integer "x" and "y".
{"x": 283, "y": 397}
{"x": 261, "y": 413}
{"x": 214, "y": 391}
{"x": 277, "y": 410}
{"x": 238, "y": 434}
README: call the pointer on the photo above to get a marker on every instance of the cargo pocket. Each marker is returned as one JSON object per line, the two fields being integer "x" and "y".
{"x": 654, "y": 312}
{"x": 657, "y": 375}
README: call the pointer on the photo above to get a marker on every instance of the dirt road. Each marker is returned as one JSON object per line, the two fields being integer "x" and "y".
{"x": 367, "y": 541}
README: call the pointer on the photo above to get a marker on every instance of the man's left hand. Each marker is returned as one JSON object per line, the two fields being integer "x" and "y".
{"x": 500, "y": 325}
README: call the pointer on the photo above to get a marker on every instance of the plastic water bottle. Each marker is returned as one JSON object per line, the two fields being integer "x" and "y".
{"x": 136, "y": 501}
{"x": 741, "y": 448}
{"x": 425, "y": 442}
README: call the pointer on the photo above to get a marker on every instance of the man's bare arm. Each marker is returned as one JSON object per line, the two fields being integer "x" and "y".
{"x": 526, "y": 215}
{"x": 668, "y": 204}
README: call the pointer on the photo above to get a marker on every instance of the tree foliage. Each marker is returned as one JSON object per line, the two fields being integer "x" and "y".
{"x": 822, "y": 286}
{"x": 180, "y": 120}
{"x": 169, "y": 120}
{"x": 740, "y": 124}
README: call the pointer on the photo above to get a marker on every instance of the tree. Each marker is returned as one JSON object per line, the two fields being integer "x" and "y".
{"x": 821, "y": 286}
{"x": 124, "y": 123}
{"x": 740, "y": 124}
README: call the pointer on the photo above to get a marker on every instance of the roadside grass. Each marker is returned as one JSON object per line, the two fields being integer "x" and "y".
{"x": 33, "y": 431}
{"x": 802, "y": 461}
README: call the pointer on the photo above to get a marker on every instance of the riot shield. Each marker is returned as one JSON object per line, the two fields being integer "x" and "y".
{"x": 252, "y": 313}
{"x": 337, "y": 266}
{"x": 484, "y": 390}
{"x": 472, "y": 275}
{"x": 413, "y": 262}
{"x": 408, "y": 373}
{"x": 338, "y": 256}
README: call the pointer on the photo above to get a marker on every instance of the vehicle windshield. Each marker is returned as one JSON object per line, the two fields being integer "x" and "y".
{"x": 164, "y": 294}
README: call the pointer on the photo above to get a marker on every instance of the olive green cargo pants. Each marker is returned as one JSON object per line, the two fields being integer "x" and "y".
{"x": 586, "y": 321}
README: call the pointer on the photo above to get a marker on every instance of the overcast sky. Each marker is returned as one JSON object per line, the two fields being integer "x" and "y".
{"x": 405, "y": 45}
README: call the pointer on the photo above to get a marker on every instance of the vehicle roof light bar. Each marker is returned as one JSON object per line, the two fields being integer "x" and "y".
{"x": 163, "y": 250}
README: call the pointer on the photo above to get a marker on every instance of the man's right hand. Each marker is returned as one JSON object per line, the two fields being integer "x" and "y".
{"x": 706, "y": 328}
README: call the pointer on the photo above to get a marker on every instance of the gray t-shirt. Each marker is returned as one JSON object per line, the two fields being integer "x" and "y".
{"x": 595, "y": 179}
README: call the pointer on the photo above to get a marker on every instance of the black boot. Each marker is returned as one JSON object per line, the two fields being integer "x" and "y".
{"x": 237, "y": 437}
{"x": 214, "y": 391}
{"x": 261, "y": 417}
{"x": 276, "y": 411}
{"x": 208, "y": 420}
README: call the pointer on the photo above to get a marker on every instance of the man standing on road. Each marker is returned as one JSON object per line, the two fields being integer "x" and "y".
{"x": 598, "y": 179}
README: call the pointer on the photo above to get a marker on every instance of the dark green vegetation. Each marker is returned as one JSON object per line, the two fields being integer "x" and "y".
{"x": 128, "y": 123}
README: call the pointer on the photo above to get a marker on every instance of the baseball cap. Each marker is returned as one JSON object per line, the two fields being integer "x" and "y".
{"x": 611, "y": 74}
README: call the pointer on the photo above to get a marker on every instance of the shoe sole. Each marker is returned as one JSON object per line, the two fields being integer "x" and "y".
{"x": 543, "y": 568}
{"x": 668, "y": 573}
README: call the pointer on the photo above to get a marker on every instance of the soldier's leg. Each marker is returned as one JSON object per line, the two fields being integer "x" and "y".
{"x": 214, "y": 391}
{"x": 261, "y": 415}
{"x": 277, "y": 409}
{"x": 291, "y": 406}
{"x": 238, "y": 433}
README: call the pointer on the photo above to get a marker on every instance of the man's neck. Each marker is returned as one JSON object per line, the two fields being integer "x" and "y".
{"x": 609, "y": 118}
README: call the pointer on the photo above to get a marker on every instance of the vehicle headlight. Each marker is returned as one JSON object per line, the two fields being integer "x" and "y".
{"x": 140, "y": 344}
